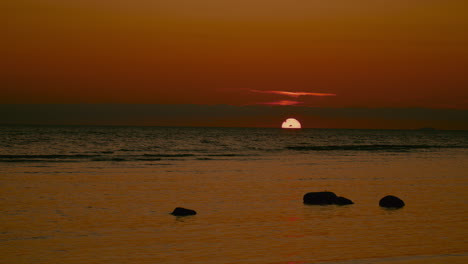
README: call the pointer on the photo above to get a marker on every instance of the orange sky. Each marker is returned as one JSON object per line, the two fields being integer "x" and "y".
{"x": 371, "y": 54}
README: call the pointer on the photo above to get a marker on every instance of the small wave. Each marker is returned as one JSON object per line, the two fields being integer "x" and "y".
{"x": 108, "y": 159}
{"x": 84, "y": 157}
{"x": 381, "y": 147}
{"x": 159, "y": 164}
{"x": 79, "y": 156}
{"x": 148, "y": 159}
{"x": 227, "y": 155}
{"x": 205, "y": 159}
{"x": 168, "y": 155}
{"x": 125, "y": 150}
{"x": 37, "y": 160}
{"x": 45, "y": 158}
{"x": 26, "y": 238}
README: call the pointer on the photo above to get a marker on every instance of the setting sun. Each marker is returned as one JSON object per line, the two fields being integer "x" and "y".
{"x": 291, "y": 123}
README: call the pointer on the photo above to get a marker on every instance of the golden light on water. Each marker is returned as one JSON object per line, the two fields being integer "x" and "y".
{"x": 291, "y": 123}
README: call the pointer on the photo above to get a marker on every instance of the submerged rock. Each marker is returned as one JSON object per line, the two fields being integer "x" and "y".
{"x": 325, "y": 198}
{"x": 391, "y": 201}
{"x": 179, "y": 211}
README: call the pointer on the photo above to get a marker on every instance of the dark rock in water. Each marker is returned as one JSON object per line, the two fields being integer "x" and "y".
{"x": 325, "y": 198}
{"x": 179, "y": 211}
{"x": 343, "y": 201}
{"x": 391, "y": 201}
{"x": 320, "y": 198}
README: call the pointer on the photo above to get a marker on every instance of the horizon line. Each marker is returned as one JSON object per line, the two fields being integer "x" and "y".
{"x": 204, "y": 126}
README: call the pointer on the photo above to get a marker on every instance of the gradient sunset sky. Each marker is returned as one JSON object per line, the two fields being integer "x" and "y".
{"x": 255, "y": 61}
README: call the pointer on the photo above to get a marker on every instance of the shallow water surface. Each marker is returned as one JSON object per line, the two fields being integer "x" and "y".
{"x": 104, "y": 195}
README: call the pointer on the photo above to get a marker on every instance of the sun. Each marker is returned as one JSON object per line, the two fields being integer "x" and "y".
{"x": 291, "y": 123}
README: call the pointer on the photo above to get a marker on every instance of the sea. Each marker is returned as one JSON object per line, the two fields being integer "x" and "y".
{"x": 91, "y": 194}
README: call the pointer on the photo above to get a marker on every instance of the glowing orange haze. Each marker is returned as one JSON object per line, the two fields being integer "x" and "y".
{"x": 372, "y": 54}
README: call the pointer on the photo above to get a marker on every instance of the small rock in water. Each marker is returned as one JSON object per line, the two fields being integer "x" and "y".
{"x": 325, "y": 198}
{"x": 320, "y": 198}
{"x": 391, "y": 201}
{"x": 179, "y": 211}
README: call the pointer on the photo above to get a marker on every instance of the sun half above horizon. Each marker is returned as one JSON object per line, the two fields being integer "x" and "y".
{"x": 291, "y": 123}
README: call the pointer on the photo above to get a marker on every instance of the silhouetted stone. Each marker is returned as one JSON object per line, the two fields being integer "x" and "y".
{"x": 179, "y": 211}
{"x": 391, "y": 201}
{"x": 325, "y": 198}
{"x": 320, "y": 198}
{"x": 343, "y": 201}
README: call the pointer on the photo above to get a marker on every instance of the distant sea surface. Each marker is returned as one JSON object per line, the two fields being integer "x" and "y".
{"x": 78, "y": 194}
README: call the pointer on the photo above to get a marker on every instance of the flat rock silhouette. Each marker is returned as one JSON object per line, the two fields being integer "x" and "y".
{"x": 180, "y": 211}
{"x": 325, "y": 198}
{"x": 391, "y": 201}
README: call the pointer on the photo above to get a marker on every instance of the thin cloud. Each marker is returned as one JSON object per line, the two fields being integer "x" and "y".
{"x": 294, "y": 94}
{"x": 283, "y": 102}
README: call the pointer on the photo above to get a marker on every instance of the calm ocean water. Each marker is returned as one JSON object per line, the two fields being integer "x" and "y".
{"x": 104, "y": 195}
